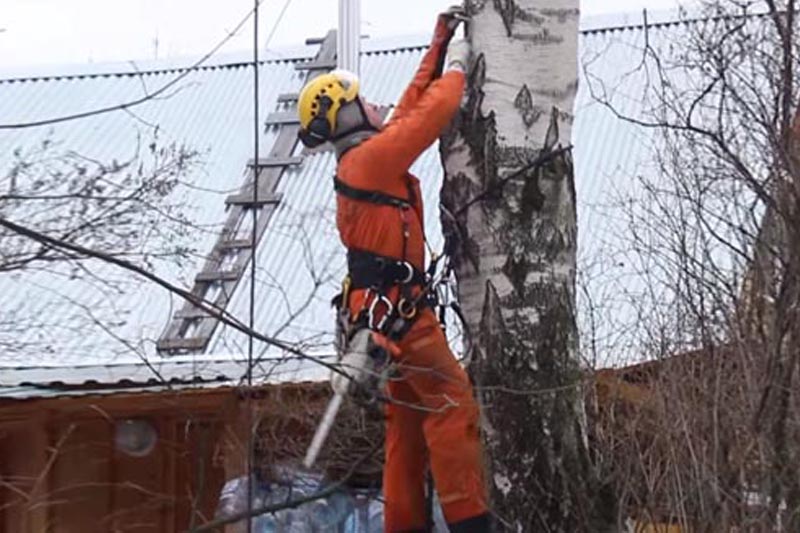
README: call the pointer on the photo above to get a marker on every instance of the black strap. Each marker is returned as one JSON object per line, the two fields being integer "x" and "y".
{"x": 370, "y": 270}
{"x": 365, "y": 195}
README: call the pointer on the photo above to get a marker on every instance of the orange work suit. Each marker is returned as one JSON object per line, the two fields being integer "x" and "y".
{"x": 432, "y": 414}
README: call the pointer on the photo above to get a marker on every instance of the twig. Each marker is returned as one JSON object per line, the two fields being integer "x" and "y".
{"x": 273, "y": 508}
{"x": 539, "y": 161}
{"x": 214, "y": 311}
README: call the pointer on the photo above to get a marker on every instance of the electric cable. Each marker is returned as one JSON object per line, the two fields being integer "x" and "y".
{"x": 250, "y": 448}
{"x": 127, "y": 105}
{"x": 254, "y": 212}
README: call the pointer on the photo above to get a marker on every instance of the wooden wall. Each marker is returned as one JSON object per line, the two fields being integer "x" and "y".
{"x": 60, "y": 471}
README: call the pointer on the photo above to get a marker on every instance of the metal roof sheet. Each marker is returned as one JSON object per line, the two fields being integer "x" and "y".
{"x": 154, "y": 374}
{"x": 300, "y": 260}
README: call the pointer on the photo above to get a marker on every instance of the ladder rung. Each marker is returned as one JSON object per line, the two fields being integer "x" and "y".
{"x": 218, "y": 275}
{"x": 234, "y": 244}
{"x": 193, "y": 312}
{"x": 192, "y": 343}
{"x": 288, "y": 97}
{"x": 248, "y": 200}
{"x": 316, "y": 65}
{"x": 266, "y": 162}
{"x": 283, "y": 117}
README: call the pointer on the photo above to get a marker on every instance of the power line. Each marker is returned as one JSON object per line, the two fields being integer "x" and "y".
{"x": 146, "y": 97}
{"x": 277, "y": 23}
{"x": 212, "y": 310}
{"x": 250, "y": 448}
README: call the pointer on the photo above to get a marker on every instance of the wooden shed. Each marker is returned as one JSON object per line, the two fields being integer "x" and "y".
{"x": 117, "y": 456}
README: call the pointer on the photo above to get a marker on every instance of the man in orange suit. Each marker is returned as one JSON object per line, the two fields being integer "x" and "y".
{"x": 431, "y": 415}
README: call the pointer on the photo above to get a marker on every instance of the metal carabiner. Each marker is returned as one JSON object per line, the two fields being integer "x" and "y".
{"x": 379, "y": 298}
{"x": 410, "y": 274}
{"x": 406, "y": 309}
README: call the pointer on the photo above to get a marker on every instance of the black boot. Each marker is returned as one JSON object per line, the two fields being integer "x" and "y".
{"x": 476, "y": 524}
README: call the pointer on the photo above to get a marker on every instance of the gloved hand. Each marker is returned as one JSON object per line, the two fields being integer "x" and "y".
{"x": 458, "y": 55}
{"x": 358, "y": 365}
{"x": 453, "y": 16}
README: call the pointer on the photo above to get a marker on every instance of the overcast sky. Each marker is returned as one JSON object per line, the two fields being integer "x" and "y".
{"x": 37, "y": 32}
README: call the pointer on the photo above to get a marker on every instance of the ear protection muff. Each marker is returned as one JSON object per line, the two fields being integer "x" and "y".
{"x": 319, "y": 129}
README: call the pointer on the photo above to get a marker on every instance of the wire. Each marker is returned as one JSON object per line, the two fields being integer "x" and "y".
{"x": 187, "y": 296}
{"x": 147, "y": 97}
{"x": 253, "y": 245}
{"x": 277, "y": 23}
{"x": 251, "y": 430}
{"x": 536, "y": 163}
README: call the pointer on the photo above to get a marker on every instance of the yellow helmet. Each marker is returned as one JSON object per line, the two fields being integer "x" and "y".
{"x": 319, "y": 103}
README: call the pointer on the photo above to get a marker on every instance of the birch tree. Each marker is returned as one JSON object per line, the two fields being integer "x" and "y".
{"x": 512, "y": 227}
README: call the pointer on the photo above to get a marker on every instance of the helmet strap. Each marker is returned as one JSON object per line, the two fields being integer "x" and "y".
{"x": 319, "y": 130}
{"x": 363, "y": 125}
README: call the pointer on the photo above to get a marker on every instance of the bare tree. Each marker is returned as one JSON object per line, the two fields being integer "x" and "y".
{"x": 713, "y": 445}
{"x": 132, "y": 209}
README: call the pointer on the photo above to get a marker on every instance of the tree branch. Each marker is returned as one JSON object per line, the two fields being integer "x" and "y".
{"x": 214, "y": 311}
{"x": 274, "y": 508}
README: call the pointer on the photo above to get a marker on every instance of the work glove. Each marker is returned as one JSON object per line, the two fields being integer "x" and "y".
{"x": 457, "y": 55}
{"x": 360, "y": 366}
{"x": 453, "y": 16}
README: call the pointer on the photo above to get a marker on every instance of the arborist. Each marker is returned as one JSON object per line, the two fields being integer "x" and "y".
{"x": 431, "y": 414}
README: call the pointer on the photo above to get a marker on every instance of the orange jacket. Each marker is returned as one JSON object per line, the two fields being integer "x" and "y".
{"x": 381, "y": 163}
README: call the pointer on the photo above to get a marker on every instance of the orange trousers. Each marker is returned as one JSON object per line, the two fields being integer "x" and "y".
{"x": 431, "y": 417}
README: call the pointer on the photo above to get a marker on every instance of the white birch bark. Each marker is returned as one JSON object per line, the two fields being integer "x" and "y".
{"x": 515, "y": 258}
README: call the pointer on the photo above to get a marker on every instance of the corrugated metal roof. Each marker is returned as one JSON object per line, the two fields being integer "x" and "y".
{"x": 300, "y": 260}
{"x": 154, "y": 374}
{"x": 205, "y": 111}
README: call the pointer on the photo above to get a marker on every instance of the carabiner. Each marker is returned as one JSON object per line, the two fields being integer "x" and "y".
{"x": 379, "y": 298}
{"x": 410, "y": 274}
{"x": 406, "y": 309}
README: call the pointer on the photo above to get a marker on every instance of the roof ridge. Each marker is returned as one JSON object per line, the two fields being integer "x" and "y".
{"x": 137, "y": 72}
{"x": 624, "y": 26}
{"x": 591, "y": 25}
{"x": 180, "y": 69}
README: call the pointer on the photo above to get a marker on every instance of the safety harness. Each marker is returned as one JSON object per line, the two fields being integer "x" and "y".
{"x": 378, "y": 274}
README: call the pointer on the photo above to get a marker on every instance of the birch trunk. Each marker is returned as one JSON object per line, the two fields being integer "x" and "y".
{"x": 515, "y": 253}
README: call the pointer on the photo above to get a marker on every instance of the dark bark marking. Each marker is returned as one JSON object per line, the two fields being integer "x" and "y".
{"x": 477, "y": 74}
{"x": 479, "y": 135}
{"x": 543, "y": 445}
{"x": 542, "y": 37}
{"x": 477, "y": 130}
{"x": 516, "y": 156}
{"x": 492, "y": 326}
{"x": 551, "y": 138}
{"x": 532, "y": 197}
{"x": 527, "y": 16}
{"x": 528, "y": 111}
{"x": 562, "y": 14}
{"x": 510, "y": 12}
{"x": 507, "y": 10}
{"x": 459, "y": 245}
{"x": 475, "y": 6}
{"x": 516, "y": 269}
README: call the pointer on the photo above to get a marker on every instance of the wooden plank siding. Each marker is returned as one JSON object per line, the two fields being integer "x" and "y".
{"x": 60, "y": 471}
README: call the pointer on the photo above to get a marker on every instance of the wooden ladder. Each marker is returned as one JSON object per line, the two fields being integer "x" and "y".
{"x": 190, "y": 328}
